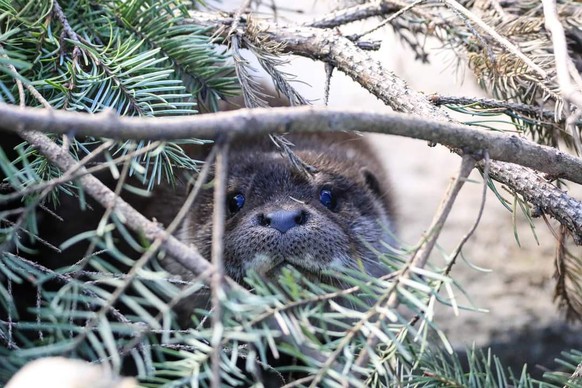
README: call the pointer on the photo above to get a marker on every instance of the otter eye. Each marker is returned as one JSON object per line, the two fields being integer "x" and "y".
{"x": 236, "y": 202}
{"x": 327, "y": 199}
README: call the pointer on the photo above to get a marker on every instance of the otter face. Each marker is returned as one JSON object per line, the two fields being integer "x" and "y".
{"x": 331, "y": 220}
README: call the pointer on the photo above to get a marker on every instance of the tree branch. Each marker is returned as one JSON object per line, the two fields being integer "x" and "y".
{"x": 185, "y": 255}
{"x": 358, "y": 12}
{"x": 217, "y": 281}
{"x": 244, "y": 122}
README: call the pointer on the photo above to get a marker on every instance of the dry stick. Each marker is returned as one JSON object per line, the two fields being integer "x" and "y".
{"x": 244, "y": 122}
{"x": 499, "y": 146}
{"x": 358, "y": 12}
{"x": 429, "y": 239}
{"x": 498, "y": 105}
{"x": 486, "y": 164}
{"x": 217, "y": 281}
{"x": 421, "y": 255}
{"x": 562, "y": 60}
{"x": 502, "y": 147}
{"x": 386, "y": 21}
{"x": 485, "y": 167}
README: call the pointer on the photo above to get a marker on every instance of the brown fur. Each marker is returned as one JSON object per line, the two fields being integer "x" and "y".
{"x": 345, "y": 237}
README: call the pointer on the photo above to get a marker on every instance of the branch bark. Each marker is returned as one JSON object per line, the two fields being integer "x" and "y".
{"x": 244, "y": 122}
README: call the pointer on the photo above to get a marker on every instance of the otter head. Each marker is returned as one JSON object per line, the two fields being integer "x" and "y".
{"x": 334, "y": 219}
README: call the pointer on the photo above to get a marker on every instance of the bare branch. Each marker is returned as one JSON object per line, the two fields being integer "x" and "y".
{"x": 217, "y": 281}
{"x": 244, "y": 122}
{"x": 386, "y": 21}
{"x": 357, "y": 12}
{"x": 430, "y": 238}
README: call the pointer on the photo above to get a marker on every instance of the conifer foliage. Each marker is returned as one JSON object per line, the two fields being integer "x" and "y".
{"x": 103, "y": 297}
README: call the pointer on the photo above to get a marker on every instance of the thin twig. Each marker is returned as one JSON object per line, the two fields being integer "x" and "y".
{"x": 486, "y": 165}
{"x": 217, "y": 281}
{"x": 429, "y": 238}
{"x": 388, "y": 20}
{"x": 356, "y": 13}
{"x": 493, "y": 104}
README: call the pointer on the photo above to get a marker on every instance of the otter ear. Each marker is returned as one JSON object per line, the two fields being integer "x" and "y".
{"x": 371, "y": 181}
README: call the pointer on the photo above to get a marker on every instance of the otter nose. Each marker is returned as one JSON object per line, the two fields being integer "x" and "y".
{"x": 283, "y": 220}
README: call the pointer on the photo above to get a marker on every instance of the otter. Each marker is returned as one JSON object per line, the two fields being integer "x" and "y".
{"x": 338, "y": 218}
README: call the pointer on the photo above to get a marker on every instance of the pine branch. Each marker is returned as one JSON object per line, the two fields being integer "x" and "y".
{"x": 244, "y": 122}
{"x": 185, "y": 255}
{"x": 505, "y": 46}
{"x": 202, "y": 68}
